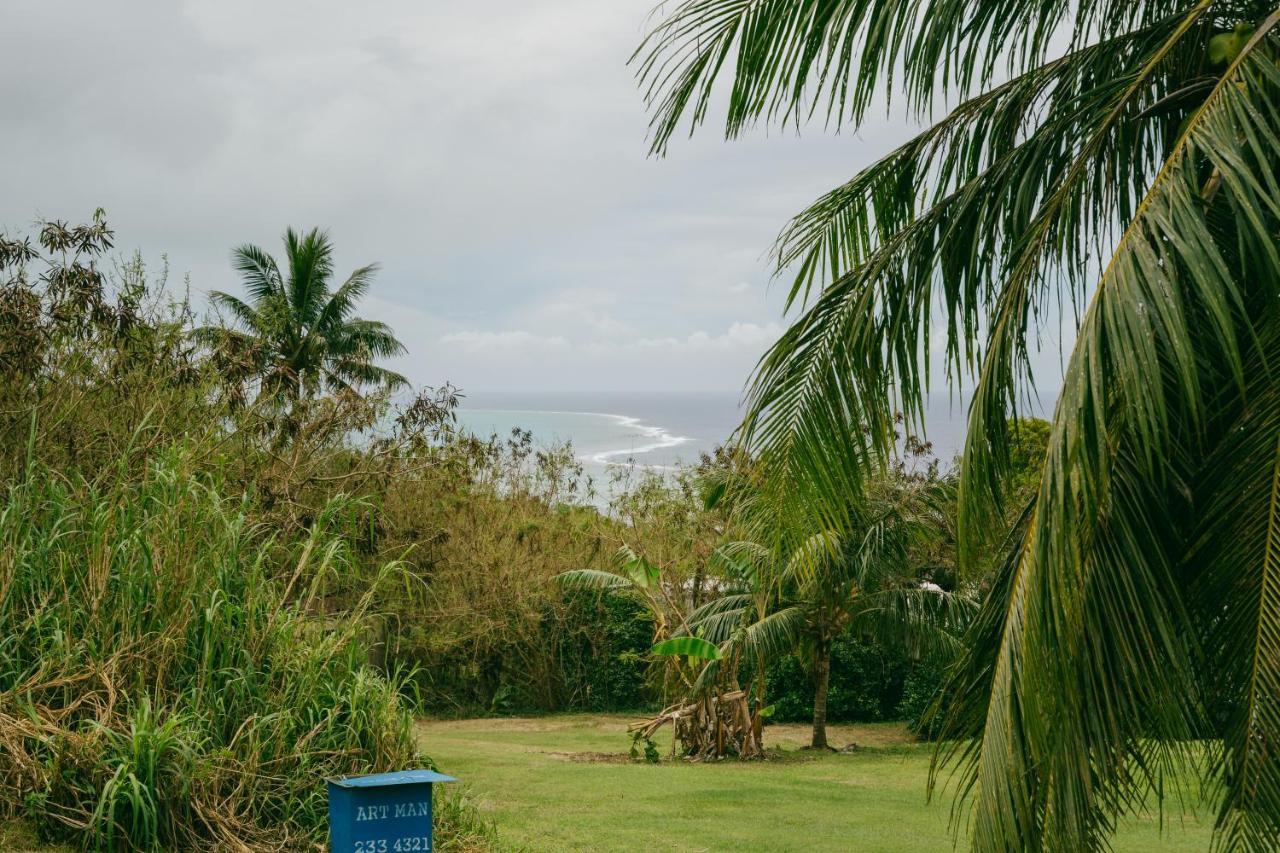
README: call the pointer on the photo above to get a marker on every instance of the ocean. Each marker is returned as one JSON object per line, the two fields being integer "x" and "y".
{"x": 654, "y": 430}
{"x": 608, "y": 430}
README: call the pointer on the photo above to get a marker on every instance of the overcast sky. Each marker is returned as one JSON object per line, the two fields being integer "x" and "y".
{"x": 491, "y": 156}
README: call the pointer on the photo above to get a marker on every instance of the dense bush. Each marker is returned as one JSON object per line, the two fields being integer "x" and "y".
{"x": 606, "y": 668}
{"x": 484, "y": 529}
{"x": 158, "y": 689}
{"x": 866, "y": 684}
{"x": 920, "y": 691}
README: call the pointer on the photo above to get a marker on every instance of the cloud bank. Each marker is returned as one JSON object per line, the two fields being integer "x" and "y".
{"x": 491, "y": 156}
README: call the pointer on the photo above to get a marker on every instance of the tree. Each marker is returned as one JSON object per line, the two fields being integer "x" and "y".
{"x": 296, "y": 335}
{"x": 802, "y": 600}
{"x": 1119, "y": 153}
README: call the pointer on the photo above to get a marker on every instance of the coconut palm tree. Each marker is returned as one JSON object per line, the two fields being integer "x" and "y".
{"x": 1115, "y": 161}
{"x": 296, "y": 334}
{"x": 802, "y": 601}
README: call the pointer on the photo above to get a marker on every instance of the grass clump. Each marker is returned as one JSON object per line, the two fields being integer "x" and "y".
{"x": 160, "y": 688}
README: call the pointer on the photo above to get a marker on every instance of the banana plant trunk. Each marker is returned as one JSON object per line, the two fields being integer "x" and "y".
{"x": 821, "y": 681}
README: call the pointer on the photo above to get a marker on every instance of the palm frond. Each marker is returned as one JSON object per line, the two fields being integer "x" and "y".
{"x": 593, "y": 580}
{"x": 343, "y": 300}
{"x": 243, "y": 313}
{"x": 743, "y": 560}
{"x": 925, "y": 622}
{"x": 791, "y": 59}
{"x": 1235, "y": 591}
{"x": 258, "y": 271}
{"x": 1016, "y": 184}
{"x": 368, "y": 336}
{"x": 723, "y": 625}
{"x": 804, "y": 564}
{"x": 310, "y": 259}
{"x": 732, "y": 603}
{"x": 774, "y": 636}
{"x": 361, "y": 372}
{"x": 1071, "y": 740}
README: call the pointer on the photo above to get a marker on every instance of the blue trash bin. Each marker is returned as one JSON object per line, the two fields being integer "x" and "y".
{"x": 382, "y": 813}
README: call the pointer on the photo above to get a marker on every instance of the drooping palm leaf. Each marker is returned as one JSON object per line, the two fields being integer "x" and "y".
{"x": 983, "y": 219}
{"x": 1121, "y": 625}
{"x": 791, "y": 59}
{"x": 694, "y": 648}
{"x": 1097, "y": 580}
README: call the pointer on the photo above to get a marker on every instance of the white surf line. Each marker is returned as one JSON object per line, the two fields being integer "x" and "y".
{"x": 606, "y": 457}
{"x": 664, "y": 440}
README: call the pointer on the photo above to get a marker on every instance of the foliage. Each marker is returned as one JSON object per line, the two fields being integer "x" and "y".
{"x": 297, "y": 335}
{"x": 1148, "y": 135}
{"x": 489, "y": 526}
{"x": 802, "y": 595}
{"x": 866, "y": 684}
{"x": 921, "y": 693}
{"x": 163, "y": 692}
{"x": 603, "y": 659}
{"x": 170, "y": 677}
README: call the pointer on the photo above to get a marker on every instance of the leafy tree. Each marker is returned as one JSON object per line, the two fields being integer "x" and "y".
{"x": 1123, "y": 153}
{"x": 297, "y": 335}
{"x": 804, "y": 598}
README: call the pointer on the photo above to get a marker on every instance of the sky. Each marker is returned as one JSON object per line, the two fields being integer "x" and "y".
{"x": 492, "y": 157}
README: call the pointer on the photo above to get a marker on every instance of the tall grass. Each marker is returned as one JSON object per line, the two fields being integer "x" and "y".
{"x": 158, "y": 690}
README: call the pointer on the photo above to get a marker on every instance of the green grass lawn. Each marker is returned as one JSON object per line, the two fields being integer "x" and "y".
{"x": 563, "y": 783}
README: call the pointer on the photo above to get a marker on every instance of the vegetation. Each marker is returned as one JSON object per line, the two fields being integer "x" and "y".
{"x": 1135, "y": 612}
{"x": 804, "y": 600}
{"x": 156, "y": 692}
{"x": 172, "y": 676}
{"x": 232, "y": 564}
{"x": 297, "y": 337}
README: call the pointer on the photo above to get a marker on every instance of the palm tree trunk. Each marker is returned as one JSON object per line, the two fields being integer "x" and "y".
{"x": 821, "y": 681}
{"x": 757, "y": 725}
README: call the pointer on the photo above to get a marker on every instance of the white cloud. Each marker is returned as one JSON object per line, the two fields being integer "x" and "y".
{"x": 519, "y": 341}
{"x": 519, "y": 359}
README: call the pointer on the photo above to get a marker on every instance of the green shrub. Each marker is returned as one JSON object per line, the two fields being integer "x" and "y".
{"x": 605, "y": 655}
{"x": 919, "y": 692}
{"x": 866, "y": 684}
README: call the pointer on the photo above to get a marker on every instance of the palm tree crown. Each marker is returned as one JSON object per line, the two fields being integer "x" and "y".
{"x": 1122, "y": 156}
{"x": 804, "y": 596}
{"x": 296, "y": 334}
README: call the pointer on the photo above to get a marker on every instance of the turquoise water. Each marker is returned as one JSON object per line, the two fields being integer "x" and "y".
{"x": 612, "y": 431}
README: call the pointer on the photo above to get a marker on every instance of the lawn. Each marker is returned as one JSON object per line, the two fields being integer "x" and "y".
{"x": 564, "y": 783}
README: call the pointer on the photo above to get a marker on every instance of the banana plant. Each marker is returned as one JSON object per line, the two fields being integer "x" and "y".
{"x": 634, "y": 576}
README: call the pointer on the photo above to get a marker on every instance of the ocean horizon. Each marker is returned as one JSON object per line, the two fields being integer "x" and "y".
{"x": 611, "y": 431}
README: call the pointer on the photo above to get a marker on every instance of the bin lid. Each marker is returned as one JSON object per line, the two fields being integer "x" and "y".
{"x": 398, "y": 777}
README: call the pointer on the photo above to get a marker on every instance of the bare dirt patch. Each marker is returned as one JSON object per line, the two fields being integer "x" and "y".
{"x": 791, "y": 736}
{"x": 872, "y": 736}
{"x": 592, "y": 757}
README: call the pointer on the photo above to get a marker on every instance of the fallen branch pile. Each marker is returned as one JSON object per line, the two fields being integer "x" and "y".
{"x": 709, "y": 728}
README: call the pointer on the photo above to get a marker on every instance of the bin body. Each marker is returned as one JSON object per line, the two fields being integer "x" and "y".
{"x": 384, "y": 813}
